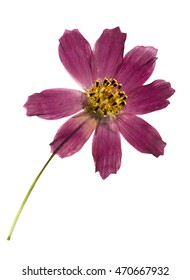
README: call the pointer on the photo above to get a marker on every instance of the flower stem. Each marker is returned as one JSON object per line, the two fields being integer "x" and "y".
{"x": 27, "y": 196}
{"x": 38, "y": 176}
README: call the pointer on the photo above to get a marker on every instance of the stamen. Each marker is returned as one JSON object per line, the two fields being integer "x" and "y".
{"x": 96, "y": 109}
{"x": 113, "y": 81}
{"x": 105, "y": 99}
{"x": 105, "y": 81}
{"x": 114, "y": 103}
{"x": 91, "y": 94}
{"x": 97, "y": 83}
{"x": 122, "y": 103}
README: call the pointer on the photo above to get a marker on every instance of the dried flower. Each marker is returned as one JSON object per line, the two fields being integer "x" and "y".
{"x": 113, "y": 94}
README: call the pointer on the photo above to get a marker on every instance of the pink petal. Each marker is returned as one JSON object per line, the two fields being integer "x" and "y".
{"x": 52, "y": 104}
{"x": 72, "y": 135}
{"x": 137, "y": 66}
{"x": 106, "y": 148}
{"x": 76, "y": 55}
{"x": 148, "y": 98}
{"x": 108, "y": 52}
{"x": 141, "y": 135}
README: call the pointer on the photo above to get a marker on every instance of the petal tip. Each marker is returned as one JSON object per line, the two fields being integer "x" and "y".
{"x": 25, "y": 106}
{"x": 105, "y": 175}
{"x": 160, "y": 152}
{"x": 67, "y": 31}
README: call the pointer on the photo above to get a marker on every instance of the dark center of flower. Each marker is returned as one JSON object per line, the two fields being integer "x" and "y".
{"x": 105, "y": 99}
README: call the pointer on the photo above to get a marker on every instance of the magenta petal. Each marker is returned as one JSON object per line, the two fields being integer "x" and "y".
{"x": 72, "y": 135}
{"x": 106, "y": 148}
{"x": 141, "y": 135}
{"x": 76, "y": 55}
{"x": 149, "y": 98}
{"x": 108, "y": 52}
{"x": 137, "y": 66}
{"x": 52, "y": 104}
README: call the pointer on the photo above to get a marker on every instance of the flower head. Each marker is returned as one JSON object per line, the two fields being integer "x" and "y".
{"x": 113, "y": 94}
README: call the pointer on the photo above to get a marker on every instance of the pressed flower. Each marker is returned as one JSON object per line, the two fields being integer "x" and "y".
{"x": 112, "y": 95}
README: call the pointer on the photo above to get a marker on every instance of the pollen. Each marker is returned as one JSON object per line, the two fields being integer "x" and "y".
{"x": 105, "y": 98}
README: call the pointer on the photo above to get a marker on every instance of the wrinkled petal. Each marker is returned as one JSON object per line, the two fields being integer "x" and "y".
{"x": 141, "y": 135}
{"x": 108, "y": 52}
{"x": 72, "y": 135}
{"x": 137, "y": 66}
{"x": 106, "y": 148}
{"x": 76, "y": 55}
{"x": 149, "y": 98}
{"x": 52, "y": 104}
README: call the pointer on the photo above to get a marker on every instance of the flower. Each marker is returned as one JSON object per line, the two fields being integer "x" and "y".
{"x": 113, "y": 94}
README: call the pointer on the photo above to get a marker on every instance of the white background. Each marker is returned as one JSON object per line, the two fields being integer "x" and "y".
{"x": 139, "y": 217}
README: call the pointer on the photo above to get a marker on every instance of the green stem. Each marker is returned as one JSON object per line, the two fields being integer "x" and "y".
{"x": 27, "y": 196}
{"x": 38, "y": 176}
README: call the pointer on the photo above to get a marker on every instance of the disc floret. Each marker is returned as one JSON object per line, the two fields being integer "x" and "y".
{"x": 106, "y": 98}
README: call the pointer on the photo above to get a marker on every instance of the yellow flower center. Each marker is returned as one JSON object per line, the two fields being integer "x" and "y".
{"x": 105, "y": 99}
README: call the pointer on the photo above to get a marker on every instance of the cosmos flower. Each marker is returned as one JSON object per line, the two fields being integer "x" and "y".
{"x": 113, "y": 94}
